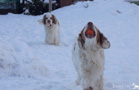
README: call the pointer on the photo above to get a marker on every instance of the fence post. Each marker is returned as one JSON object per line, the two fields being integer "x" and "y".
{"x": 50, "y": 5}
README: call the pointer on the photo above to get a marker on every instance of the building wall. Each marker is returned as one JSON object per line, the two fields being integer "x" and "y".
{"x": 131, "y": 0}
{"x": 65, "y": 2}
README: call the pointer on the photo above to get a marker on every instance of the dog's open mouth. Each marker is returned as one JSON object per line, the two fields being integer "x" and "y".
{"x": 48, "y": 25}
{"x": 90, "y": 33}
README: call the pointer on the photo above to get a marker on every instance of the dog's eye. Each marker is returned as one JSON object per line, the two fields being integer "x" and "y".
{"x": 46, "y": 18}
{"x": 51, "y": 17}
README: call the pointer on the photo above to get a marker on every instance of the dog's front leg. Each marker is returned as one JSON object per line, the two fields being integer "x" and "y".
{"x": 56, "y": 41}
{"x": 100, "y": 83}
{"x": 87, "y": 83}
{"x": 57, "y": 38}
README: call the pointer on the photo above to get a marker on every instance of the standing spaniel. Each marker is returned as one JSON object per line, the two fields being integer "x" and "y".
{"x": 88, "y": 57}
{"x": 52, "y": 29}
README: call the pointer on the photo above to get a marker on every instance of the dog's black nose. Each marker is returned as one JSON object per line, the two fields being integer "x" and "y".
{"x": 90, "y": 23}
{"x": 48, "y": 21}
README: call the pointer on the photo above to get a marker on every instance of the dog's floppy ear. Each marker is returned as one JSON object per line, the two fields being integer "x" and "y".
{"x": 102, "y": 40}
{"x": 54, "y": 19}
{"x": 44, "y": 19}
{"x": 81, "y": 39}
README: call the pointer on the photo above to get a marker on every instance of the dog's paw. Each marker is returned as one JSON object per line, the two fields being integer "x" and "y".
{"x": 77, "y": 83}
{"x": 90, "y": 88}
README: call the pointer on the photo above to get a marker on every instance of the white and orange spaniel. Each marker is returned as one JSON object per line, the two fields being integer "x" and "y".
{"x": 88, "y": 57}
{"x": 52, "y": 29}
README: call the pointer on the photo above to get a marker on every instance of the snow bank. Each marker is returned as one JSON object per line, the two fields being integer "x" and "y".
{"x": 17, "y": 59}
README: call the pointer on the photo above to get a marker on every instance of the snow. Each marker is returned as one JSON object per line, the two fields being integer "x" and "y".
{"x": 27, "y": 63}
{"x": 21, "y": 1}
{"x": 17, "y": 59}
{"x": 47, "y": 1}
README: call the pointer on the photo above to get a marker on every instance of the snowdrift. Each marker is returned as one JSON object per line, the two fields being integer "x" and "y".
{"x": 17, "y": 59}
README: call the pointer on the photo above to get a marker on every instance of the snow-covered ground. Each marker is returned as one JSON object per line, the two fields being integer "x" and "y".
{"x": 27, "y": 63}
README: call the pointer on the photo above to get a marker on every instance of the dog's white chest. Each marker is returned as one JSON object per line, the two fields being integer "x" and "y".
{"x": 91, "y": 60}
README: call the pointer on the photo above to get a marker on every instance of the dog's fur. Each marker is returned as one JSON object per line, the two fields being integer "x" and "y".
{"x": 88, "y": 59}
{"x": 52, "y": 29}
